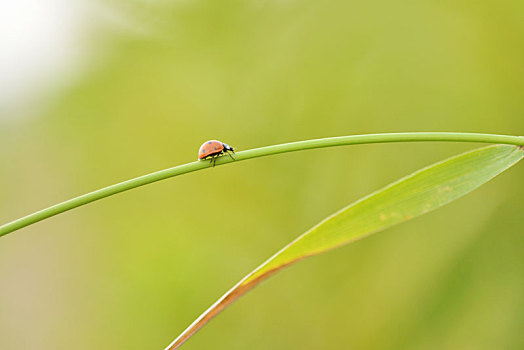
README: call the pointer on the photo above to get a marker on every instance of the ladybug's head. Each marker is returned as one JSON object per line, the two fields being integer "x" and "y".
{"x": 228, "y": 147}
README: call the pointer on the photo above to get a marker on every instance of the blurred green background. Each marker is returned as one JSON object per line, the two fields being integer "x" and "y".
{"x": 159, "y": 78}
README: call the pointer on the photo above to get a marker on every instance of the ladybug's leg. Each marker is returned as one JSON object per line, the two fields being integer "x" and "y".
{"x": 229, "y": 154}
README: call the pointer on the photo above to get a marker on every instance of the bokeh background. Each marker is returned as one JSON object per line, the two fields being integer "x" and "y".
{"x": 92, "y": 93}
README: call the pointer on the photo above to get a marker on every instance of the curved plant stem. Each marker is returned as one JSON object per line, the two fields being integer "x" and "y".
{"x": 254, "y": 153}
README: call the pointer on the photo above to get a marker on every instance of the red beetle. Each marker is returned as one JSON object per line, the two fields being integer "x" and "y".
{"x": 213, "y": 149}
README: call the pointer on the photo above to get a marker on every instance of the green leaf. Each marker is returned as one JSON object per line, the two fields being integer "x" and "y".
{"x": 412, "y": 196}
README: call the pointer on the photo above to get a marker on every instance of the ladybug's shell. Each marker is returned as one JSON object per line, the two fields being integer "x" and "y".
{"x": 210, "y": 148}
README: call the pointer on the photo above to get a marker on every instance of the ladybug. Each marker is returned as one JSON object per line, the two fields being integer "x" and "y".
{"x": 213, "y": 149}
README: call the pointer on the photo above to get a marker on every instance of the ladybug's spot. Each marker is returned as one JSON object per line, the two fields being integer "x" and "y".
{"x": 215, "y": 147}
{"x": 209, "y": 143}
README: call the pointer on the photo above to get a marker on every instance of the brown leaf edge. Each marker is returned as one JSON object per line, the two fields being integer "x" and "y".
{"x": 231, "y": 296}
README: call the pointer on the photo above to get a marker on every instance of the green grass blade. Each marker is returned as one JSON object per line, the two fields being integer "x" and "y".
{"x": 250, "y": 154}
{"x": 414, "y": 195}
